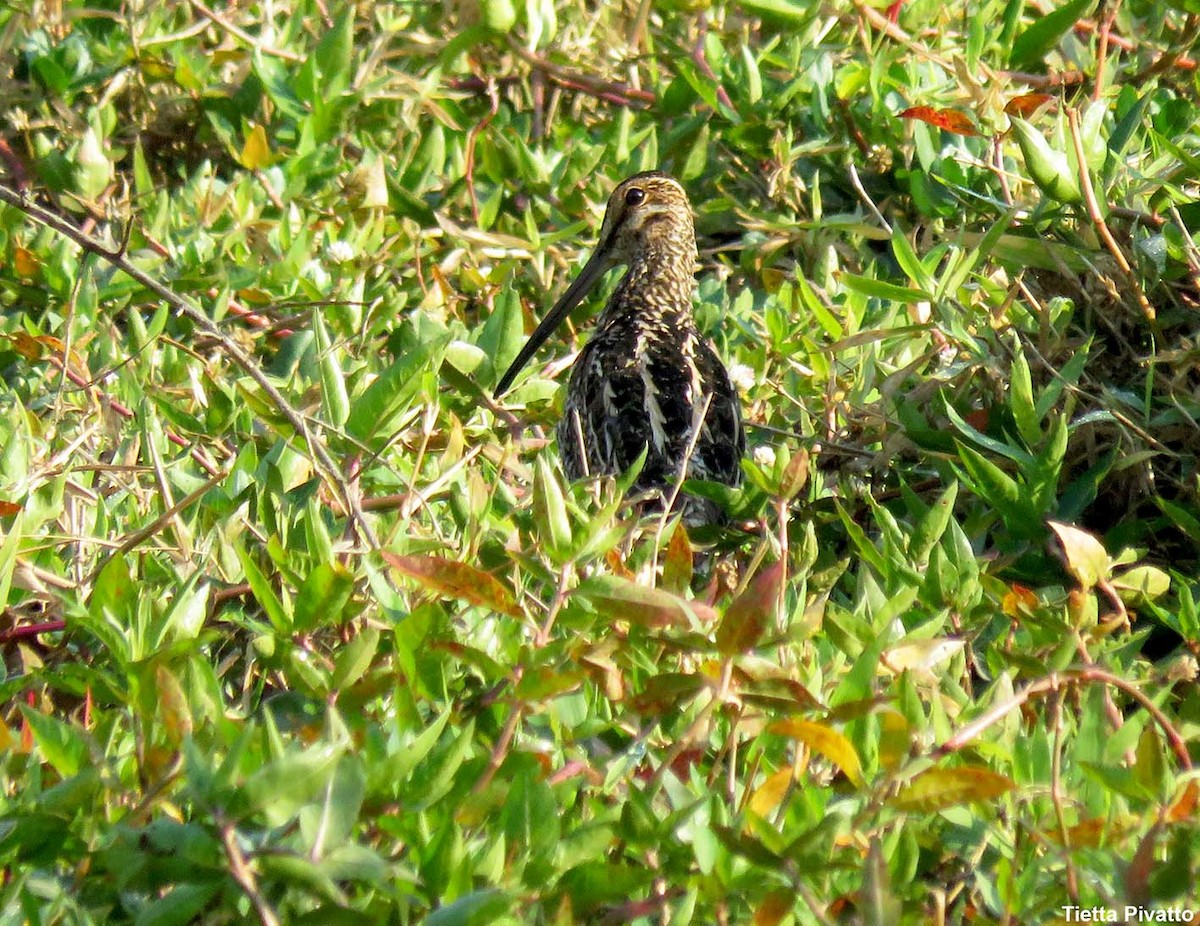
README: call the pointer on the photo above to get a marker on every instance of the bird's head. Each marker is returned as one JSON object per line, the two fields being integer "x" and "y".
{"x": 648, "y": 217}
{"x": 648, "y": 214}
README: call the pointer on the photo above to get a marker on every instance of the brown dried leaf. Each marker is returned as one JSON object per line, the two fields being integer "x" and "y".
{"x": 952, "y": 120}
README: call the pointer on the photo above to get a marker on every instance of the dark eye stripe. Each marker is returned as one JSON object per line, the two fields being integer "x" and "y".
{"x": 635, "y": 196}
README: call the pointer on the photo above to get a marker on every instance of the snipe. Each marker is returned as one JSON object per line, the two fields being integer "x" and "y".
{"x": 647, "y": 379}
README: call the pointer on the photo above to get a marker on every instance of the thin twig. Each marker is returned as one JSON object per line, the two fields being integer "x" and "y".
{"x": 473, "y": 137}
{"x": 239, "y": 869}
{"x": 560, "y": 596}
{"x": 701, "y": 61}
{"x": 237, "y": 32}
{"x": 1169, "y": 61}
{"x": 503, "y": 742}
{"x": 968, "y": 732}
{"x": 866, "y": 200}
{"x": 154, "y": 526}
{"x": 1094, "y": 213}
{"x": 200, "y": 319}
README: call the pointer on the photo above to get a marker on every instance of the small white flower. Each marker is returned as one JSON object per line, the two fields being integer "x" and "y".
{"x": 742, "y": 376}
{"x": 764, "y": 456}
{"x": 339, "y": 252}
{"x": 315, "y": 273}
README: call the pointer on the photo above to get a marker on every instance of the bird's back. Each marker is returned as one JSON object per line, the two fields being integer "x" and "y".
{"x": 640, "y": 385}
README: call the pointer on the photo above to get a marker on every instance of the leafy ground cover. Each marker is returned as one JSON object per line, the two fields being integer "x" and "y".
{"x": 301, "y": 626}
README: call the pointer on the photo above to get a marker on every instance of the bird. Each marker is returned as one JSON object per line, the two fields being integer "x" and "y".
{"x": 647, "y": 379}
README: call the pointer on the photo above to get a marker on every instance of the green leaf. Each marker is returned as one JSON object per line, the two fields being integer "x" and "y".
{"x": 550, "y": 509}
{"x": 1141, "y": 584}
{"x": 996, "y": 487}
{"x": 932, "y": 525}
{"x": 881, "y": 289}
{"x": 322, "y": 597}
{"x": 1050, "y": 168}
{"x": 480, "y": 908}
{"x": 281, "y": 787}
{"x": 260, "y": 586}
{"x": 503, "y": 333}
{"x": 782, "y": 11}
{"x": 114, "y": 592}
{"x": 1020, "y": 401}
{"x": 8, "y": 555}
{"x": 373, "y": 411}
{"x": 334, "y": 53}
{"x": 334, "y": 398}
{"x": 1031, "y": 46}
{"x": 61, "y": 744}
{"x": 354, "y": 659}
{"x": 178, "y": 907}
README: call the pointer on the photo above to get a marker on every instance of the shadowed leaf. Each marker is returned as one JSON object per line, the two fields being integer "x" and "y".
{"x": 751, "y": 612}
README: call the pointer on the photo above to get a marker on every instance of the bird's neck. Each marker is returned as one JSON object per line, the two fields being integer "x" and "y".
{"x": 658, "y": 286}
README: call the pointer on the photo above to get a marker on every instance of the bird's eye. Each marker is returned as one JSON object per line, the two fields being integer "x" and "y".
{"x": 635, "y": 196}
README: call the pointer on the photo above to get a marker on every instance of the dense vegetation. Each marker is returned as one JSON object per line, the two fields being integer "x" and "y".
{"x": 302, "y": 626}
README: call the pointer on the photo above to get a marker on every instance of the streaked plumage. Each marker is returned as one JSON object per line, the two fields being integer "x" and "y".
{"x": 647, "y": 377}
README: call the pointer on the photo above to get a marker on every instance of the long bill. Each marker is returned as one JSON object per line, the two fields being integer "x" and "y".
{"x": 591, "y": 273}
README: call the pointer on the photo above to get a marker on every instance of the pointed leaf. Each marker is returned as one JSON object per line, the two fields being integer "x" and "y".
{"x": 453, "y": 579}
{"x": 61, "y": 744}
{"x": 323, "y": 596}
{"x": 1083, "y": 555}
{"x": 624, "y": 599}
{"x": 939, "y": 788}
{"x": 827, "y": 741}
{"x": 770, "y": 793}
{"x": 677, "y": 562}
{"x": 751, "y": 613}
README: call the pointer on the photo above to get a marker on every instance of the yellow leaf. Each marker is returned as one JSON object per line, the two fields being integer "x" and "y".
{"x": 1083, "y": 555}
{"x": 26, "y": 264}
{"x": 256, "y": 152}
{"x": 939, "y": 788}
{"x": 921, "y": 655}
{"x": 774, "y": 907}
{"x": 895, "y": 739}
{"x": 173, "y": 703}
{"x": 1019, "y": 601}
{"x": 677, "y": 563}
{"x": 825, "y": 740}
{"x": 771, "y": 792}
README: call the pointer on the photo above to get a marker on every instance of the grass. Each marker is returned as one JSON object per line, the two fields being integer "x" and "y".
{"x": 301, "y": 626}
